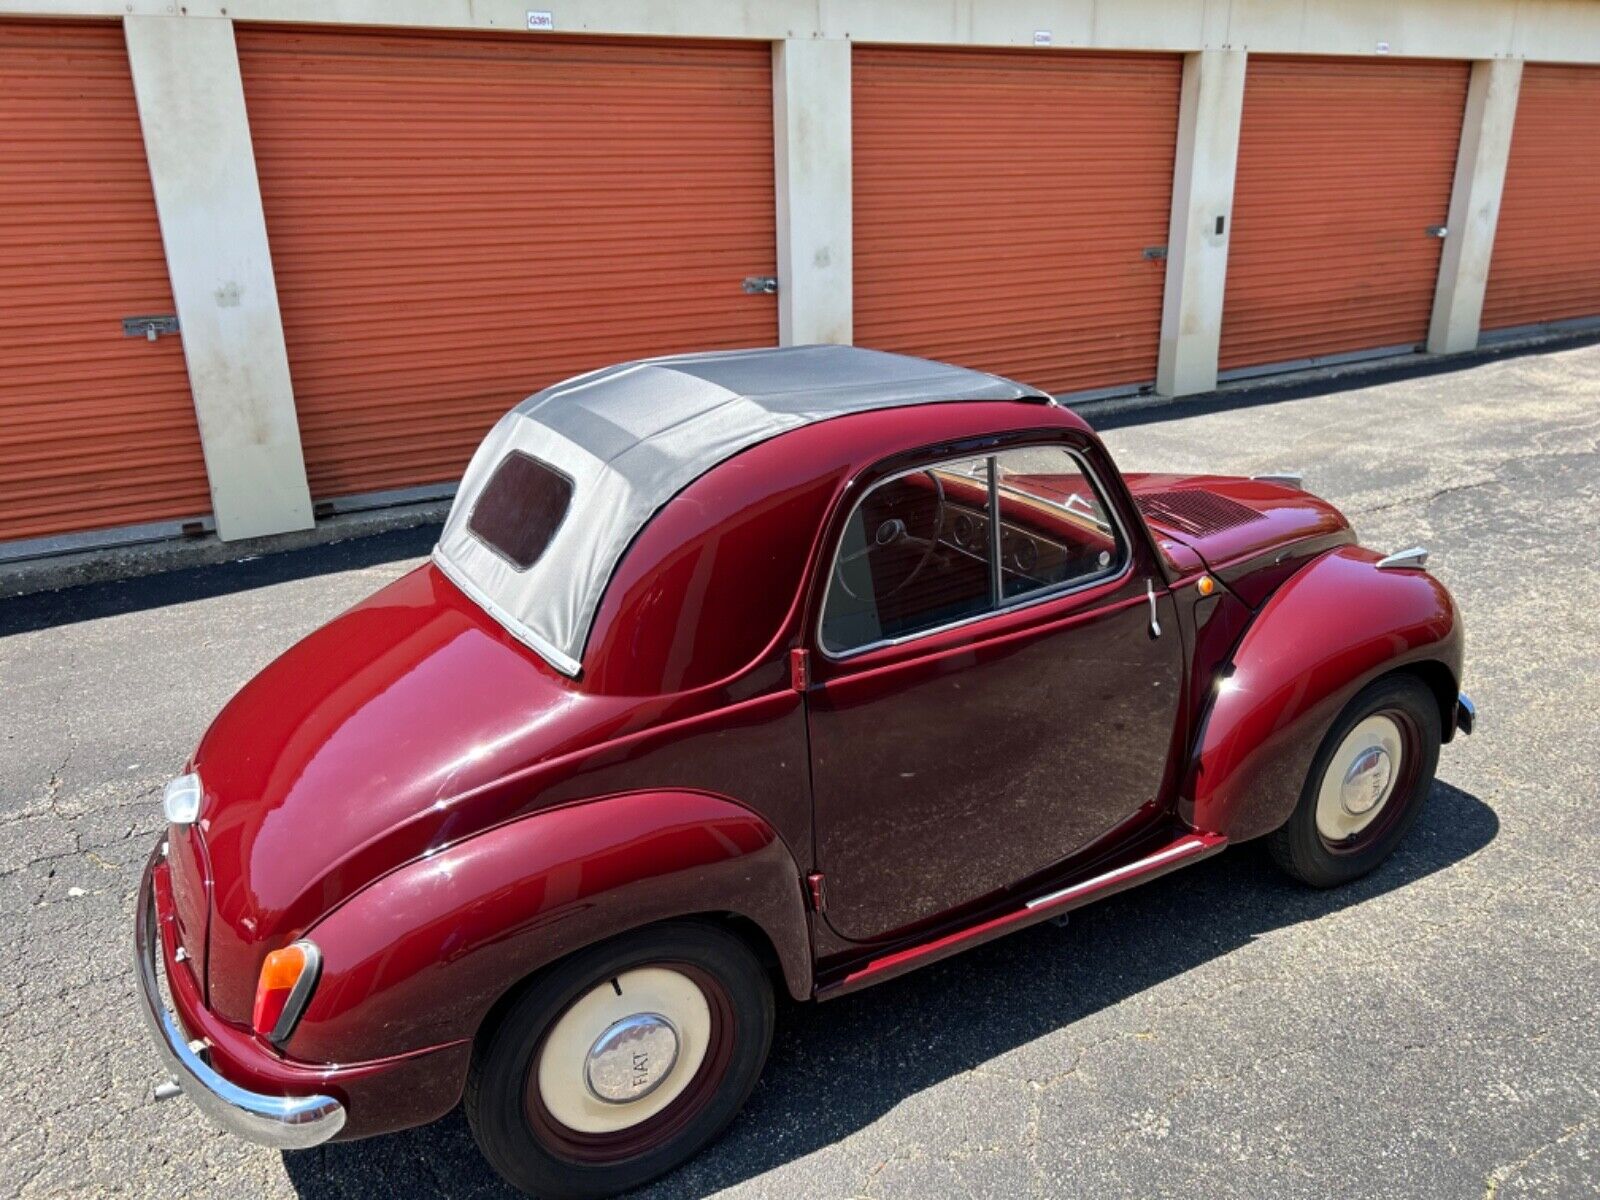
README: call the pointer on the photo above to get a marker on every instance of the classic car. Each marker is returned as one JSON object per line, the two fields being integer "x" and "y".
{"x": 742, "y": 672}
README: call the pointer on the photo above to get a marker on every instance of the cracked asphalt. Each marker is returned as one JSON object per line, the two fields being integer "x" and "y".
{"x": 1433, "y": 1030}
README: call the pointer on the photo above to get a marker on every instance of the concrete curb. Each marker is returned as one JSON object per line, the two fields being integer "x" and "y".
{"x": 153, "y": 558}
{"x": 1116, "y": 411}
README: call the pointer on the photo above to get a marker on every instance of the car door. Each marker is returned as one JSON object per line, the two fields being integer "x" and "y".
{"x": 988, "y": 698}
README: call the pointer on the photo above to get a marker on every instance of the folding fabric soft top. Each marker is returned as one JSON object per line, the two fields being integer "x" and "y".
{"x": 631, "y": 437}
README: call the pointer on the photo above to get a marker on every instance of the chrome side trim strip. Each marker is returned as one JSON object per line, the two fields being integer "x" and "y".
{"x": 1414, "y": 559}
{"x": 1190, "y": 847}
{"x": 282, "y": 1122}
{"x": 1177, "y": 850}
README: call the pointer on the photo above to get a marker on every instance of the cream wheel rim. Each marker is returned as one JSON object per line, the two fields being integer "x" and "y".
{"x": 624, "y": 1050}
{"x": 1360, "y": 779}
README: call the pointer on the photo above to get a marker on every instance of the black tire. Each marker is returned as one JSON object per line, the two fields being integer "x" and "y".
{"x": 1302, "y": 850}
{"x": 538, "y": 1155}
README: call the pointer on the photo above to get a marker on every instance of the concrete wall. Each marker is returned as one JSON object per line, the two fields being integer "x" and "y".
{"x": 197, "y": 135}
{"x": 811, "y": 148}
{"x": 203, "y": 168}
{"x": 1475, "y": 204}
{"x": 1211, "y": 103}
{"x": 1553, "y": 30}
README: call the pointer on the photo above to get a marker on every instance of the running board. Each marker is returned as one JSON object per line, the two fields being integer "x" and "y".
{"x": 1187, "y": 849}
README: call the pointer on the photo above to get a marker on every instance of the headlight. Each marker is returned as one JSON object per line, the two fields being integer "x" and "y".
{"x": 287, "y": 977}
{"x": 180, "y": 800}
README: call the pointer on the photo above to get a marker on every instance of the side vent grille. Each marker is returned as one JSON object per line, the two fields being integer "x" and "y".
{"x": 1195, "y": 512}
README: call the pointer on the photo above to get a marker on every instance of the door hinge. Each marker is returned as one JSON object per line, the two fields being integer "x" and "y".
{"x": 815, "y": 891}
{"x": 799, "y": 669}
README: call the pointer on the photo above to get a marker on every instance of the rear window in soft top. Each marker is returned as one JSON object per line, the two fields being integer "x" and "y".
{"x": 520, "y": 509}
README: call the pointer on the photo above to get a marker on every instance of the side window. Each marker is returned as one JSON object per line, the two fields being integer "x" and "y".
{"x": 914, "y": 556}
{"x": 919, "y": 551}
{"x": 1054, "y": 530}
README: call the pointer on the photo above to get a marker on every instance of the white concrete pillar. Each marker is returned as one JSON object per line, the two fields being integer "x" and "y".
{"x": 202, "y": 165}
{"x": 1474, "y": 204}
{"x": 811, "y": 119}
{"x": 1202, "y": 214}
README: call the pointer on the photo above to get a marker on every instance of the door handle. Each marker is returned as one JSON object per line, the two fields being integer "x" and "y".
{"x": 1155, "y": 620}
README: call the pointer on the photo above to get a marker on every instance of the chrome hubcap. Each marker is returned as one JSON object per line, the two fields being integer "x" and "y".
{"x": 623, "y": 1051}
{"x": 1365, "y": 781}
{"x": 630, "y": 1059}
{"x": 1360, "y": 779}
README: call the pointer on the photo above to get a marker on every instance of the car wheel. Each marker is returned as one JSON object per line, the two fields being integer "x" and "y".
{"x": 1367, "y": 784}
{"x": 621, "y": 1062}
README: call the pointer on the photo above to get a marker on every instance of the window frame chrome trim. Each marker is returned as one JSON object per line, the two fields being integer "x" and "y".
{"x": 1043, "y": 595}
{"x": 997, "y": 571}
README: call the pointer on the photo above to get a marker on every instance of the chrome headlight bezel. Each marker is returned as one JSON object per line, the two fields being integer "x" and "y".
{"x": 180, "y": 799}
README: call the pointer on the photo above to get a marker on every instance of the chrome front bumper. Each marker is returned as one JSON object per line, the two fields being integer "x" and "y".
{"x": 283, "y": 1122}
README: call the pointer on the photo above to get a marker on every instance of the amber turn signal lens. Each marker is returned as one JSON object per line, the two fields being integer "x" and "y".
{"x": 281, "y": 971}
{"x": 1205, "y": 585}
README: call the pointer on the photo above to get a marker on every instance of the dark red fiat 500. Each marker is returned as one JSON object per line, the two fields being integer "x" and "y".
{"x": 735, "y": 672}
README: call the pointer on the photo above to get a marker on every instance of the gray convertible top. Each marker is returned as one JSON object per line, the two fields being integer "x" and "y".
{"x": 631, "y": 437}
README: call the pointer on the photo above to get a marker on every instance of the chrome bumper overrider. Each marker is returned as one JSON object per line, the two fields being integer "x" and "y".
{"x": 283, "y": 1122}
{"x": 1466, "y": 713}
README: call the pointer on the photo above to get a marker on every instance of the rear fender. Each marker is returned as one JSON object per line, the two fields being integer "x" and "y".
{"x": 420, "y": 957}
{"x": 1323, "y": 636}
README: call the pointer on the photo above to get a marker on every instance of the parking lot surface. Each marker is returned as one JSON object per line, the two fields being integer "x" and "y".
{"x": 1433, "y": 1030}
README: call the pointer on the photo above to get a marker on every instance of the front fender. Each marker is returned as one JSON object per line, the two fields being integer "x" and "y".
{"x": 1324, "y": 635}
{"x": 418, "y": 958}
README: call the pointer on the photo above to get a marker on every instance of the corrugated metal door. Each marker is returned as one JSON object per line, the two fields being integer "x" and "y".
{"x": 457, "y": 221}
{"x": 1546, "y": 263}
{"x": 1004, "y": 204}
{"x": 96, "y": 429}
{"x": 1344, "y": 164}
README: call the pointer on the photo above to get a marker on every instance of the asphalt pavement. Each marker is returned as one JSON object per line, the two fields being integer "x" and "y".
{"x": 1433, "y": 1030}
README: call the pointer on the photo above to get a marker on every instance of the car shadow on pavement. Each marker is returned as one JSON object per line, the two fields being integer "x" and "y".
{"x": 837, "y": 1067}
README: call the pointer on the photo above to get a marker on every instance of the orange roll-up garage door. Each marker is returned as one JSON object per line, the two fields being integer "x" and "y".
{"x": 1546, "y": 263}
{"x": 1344, "y": 165}
{"x": 457, "y": 221}
{"x": 96, "y": 429}
{"x": 1004, "y": 205}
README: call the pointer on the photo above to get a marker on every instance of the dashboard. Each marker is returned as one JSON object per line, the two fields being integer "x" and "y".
{"x": 1024, "y": 553}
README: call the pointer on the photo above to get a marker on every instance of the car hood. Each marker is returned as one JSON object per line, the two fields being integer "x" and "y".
{"x": 1252, "y": 534}
{"x": 372, "y": 741}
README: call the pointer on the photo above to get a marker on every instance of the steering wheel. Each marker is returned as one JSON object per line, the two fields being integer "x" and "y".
{"x": 903, "y": 522}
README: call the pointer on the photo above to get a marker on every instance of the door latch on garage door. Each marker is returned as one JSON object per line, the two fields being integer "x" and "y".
{"x": 760, "y": 285}
{"x": 149, "y": 328}
{"x": 1438, "y": 231}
